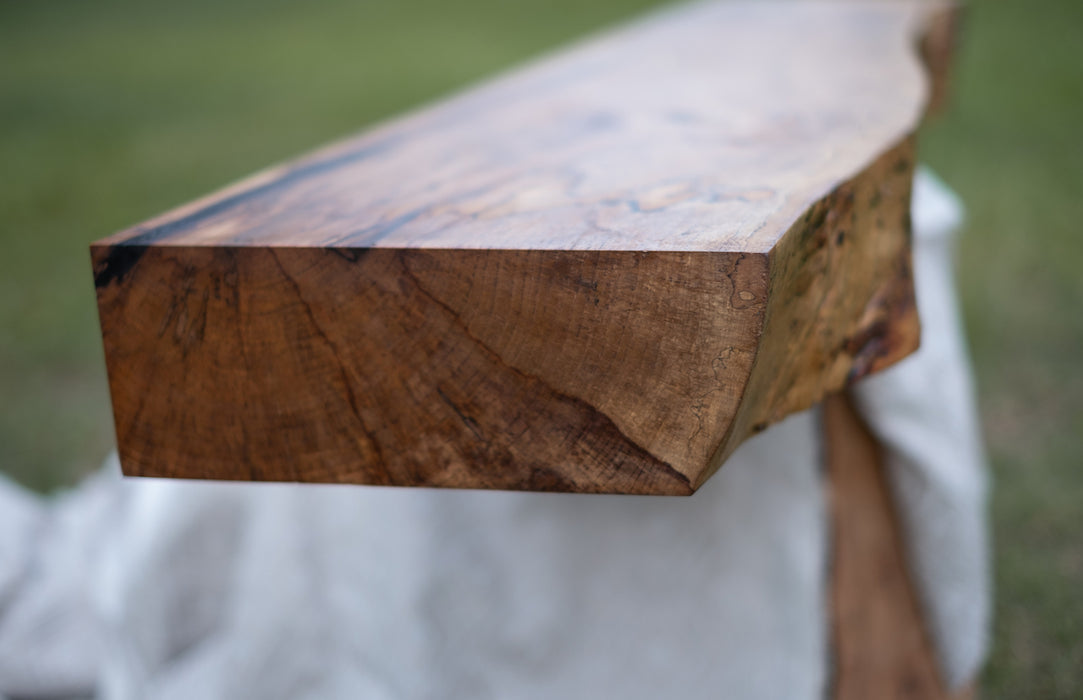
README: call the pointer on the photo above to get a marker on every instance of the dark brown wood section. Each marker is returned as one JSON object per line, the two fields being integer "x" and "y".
{"x": 881, "y": 649}
{"x": 599, "y": 273}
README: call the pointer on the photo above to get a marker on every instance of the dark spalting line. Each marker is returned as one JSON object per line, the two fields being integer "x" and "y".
{"x": 289, "y": 178}
{"x": 348, "y": 254}
{"x": 546, "y": 479}
{"x": 366, "y": 237}
{"x": 600, "y": 423}
{"x": 647, "y": 467}
{"x": 344, "y": 378}
{"x": 467, "y": 420}
{"x": 370, "y": 235}
{"x": 117, "y": 263}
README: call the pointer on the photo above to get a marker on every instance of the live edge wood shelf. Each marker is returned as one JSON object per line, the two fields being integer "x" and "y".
{"x": 598, "y": 273}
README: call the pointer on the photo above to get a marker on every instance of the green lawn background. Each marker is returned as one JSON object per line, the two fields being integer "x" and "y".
{"x": 112, "y": 111}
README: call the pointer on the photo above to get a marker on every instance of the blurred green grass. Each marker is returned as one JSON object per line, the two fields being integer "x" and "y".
{"x": 112, "y": 111}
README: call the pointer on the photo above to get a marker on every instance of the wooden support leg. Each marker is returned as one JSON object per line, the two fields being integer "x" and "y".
{"x": 881, "y": 649}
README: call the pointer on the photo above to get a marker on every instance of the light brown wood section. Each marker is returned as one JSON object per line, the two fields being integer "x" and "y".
{"x": 599, "y": 273}
{"x": 880, "y": 646}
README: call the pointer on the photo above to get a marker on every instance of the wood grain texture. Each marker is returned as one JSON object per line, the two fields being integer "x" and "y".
{"x": 881, "y": 649}
{"x": 599, "y": 273}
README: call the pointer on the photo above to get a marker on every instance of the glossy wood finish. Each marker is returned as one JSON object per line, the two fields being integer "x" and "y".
{"x": 599, "y": 273}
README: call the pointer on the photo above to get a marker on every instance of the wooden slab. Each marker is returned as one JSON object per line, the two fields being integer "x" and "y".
{"x": 599, "y": 273}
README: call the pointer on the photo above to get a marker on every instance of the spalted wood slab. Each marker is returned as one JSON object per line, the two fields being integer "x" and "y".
{"x": 599, "y": 273}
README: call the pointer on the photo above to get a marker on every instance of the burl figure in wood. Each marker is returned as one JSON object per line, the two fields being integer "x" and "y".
{"x": 599, "y": 273}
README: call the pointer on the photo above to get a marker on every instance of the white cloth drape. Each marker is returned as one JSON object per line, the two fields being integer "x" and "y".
{"x": 158, "y": 589}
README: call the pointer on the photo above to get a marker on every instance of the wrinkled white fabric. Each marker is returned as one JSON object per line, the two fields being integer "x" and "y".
{"x": 50, "y": 636}
{"x": 225, "y": 590}
{"x": 155, "y": 589}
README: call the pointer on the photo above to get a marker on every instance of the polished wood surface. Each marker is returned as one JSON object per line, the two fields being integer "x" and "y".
{"x": 599, "y": 273}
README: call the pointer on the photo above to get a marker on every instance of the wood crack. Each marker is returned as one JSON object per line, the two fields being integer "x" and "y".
{"x": 351, "y": 398}
{"x": 642, "y": 456}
